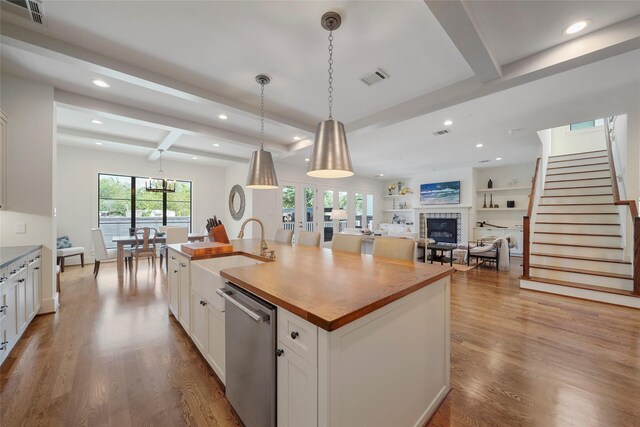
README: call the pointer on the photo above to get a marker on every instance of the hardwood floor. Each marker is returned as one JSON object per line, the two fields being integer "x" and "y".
{"x": 113, "y": 356}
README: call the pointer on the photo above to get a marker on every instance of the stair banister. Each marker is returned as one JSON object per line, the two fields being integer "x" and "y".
{"x": 526, "y": 224}
{"x": 633, "y": 208}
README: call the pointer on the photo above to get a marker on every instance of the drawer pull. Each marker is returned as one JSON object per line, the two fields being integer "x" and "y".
{"x": 36, "y": 268}
{"x": 182, "y": 264}
{"x": 3, "y": 308}
{"x": 173, "y": 257}
{"x": 20, "y": 280}
{"x": 294, "y": 335}
{"x": 3, "y": 345}
{"x": 175, "y": 271}
{"x": 279, "y": 352}
{"x": 13, "y": 272}
{"x": 203, "y": 303}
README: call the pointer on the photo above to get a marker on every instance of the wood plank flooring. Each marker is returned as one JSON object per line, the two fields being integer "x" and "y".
{"x": 113, "y": 356}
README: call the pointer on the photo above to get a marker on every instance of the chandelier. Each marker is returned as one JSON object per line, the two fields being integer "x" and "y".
{"x": 160, "y": 185}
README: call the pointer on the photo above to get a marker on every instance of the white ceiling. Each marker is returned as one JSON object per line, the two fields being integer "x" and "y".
{"x": 174, "y": 66}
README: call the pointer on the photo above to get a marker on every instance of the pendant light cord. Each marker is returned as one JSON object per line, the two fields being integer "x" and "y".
{"x": 262, "y": 116}
{"x": 330, "y": 74}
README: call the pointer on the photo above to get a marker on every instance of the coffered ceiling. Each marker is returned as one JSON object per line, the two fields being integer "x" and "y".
{"x": 175, "y": 66}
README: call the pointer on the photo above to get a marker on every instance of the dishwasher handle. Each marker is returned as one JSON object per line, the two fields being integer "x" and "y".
{"x": 257, "y": 317}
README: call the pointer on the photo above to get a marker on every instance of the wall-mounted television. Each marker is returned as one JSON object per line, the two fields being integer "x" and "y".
{"x": 440, "y": 193}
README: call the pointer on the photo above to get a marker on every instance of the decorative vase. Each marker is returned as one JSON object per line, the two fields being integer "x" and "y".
{"x": 490, "y": 183}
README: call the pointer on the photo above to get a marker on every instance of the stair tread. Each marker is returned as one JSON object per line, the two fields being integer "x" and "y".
{"x": 581, "y": 271}
{"x": 578, "y": 223}
{"x": 577, "y": 213}
{"x": 578, "y": 179}
{"x": 578, "y": 166}
{"x": 578, "y": 234}
{"x": 572, "y": 173}
{"x": 576, "y": 204}
{"x": 578, "y": 246}
{"x": 576, "y": 154}
{"x": 583, "y": 258}
{"x": 579, "y": 187}
{"x": 578, "y": 195}
{"x": 583, "y": 286}
{"x": 573, "y": 160}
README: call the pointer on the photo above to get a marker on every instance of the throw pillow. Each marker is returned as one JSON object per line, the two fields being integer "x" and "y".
{"x": 63, "y": 242}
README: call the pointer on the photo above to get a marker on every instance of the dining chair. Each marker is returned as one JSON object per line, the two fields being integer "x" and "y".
{"x": 174, "y": 235}
{"x": 308, "y": 238}
{"x": 101, "y": 253}
{"x": 283, "y": 236}
{"x": 346, "y": 243}
{"x": 394, "y": 247}
{"x": 145, "y": 246}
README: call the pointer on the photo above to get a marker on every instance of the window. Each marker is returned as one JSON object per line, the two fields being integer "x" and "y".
{"x": 120, "y": 196}
{"x": 358, "y": 219}
{"x": 587, "y": 124}
{"x": 370, "y": 211}
{"x": 343, "y": 197}
{"x": 328, "y": 222}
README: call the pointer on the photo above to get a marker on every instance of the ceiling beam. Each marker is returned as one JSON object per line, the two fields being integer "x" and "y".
{"x": 43, "y": 45}
{"x": 599, "y": 45}
{"x": 467, "y": 36}
{"x": 164, "y": 145}
{"x": 89, "y": 136}
{"x": 138, "y": 116}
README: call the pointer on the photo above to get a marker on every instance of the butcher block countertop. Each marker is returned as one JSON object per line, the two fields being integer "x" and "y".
{"x": 329, "y": 289}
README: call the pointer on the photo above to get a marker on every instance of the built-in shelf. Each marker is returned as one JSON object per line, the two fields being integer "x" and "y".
{"x": 489, "y": 190}
{"x": 501, "y": 209}
{"x": 397, "y": 210}
{"x": 397, "y": 196}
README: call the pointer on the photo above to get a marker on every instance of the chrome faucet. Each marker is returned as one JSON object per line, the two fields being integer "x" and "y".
{"x": 263, "y": 243}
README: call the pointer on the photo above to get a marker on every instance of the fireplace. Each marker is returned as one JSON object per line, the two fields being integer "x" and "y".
{"x": 443, "y": 230}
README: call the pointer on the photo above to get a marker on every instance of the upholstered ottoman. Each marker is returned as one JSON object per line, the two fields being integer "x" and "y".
{"x": 67, "y": 252}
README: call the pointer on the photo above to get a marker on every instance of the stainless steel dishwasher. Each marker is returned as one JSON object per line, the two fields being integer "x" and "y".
{"x": 250, "y": 347}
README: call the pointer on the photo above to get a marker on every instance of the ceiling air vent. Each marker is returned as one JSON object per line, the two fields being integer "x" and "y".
{"x": 375, "y": 77}
{"x": 484, "y": 161}
{"x": 442, "y": 132}
{"x": 32, "y": 9}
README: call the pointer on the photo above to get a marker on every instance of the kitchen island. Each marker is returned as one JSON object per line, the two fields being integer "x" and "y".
{"x": 362, "y": 341}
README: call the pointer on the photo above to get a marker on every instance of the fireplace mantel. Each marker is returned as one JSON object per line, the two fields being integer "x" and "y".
{"x": 460, "y": 212}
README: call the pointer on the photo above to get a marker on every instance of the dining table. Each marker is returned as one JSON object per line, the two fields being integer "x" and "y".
{"x": 122, "y": 241}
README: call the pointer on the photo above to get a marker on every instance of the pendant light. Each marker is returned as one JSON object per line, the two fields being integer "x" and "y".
{"x": 262, "y": 173}
{"x": 160, "y": 185}
{"x": 330, "y": 157}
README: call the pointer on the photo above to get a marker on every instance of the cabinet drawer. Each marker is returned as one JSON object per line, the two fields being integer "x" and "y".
{"x": 299, "y": 335}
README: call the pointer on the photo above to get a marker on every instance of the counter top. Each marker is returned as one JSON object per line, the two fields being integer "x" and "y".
{"x": 329, "y": 289}
{"x": 9, "y": 254}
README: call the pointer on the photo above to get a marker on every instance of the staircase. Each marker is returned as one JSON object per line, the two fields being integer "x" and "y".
{"x": 576, "y": 239}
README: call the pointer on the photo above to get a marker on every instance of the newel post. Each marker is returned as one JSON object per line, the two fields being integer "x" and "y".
{"x": 526, "y": 222}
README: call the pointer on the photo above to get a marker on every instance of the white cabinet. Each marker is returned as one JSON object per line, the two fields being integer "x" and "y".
{"x": 297, "y": 390}
{"x": 19, "y": 299}
{"x": 207, "y": 332}
{"x": 3, "y": 160}
{"x": 297, "y": 372}
{"x": 180, "y": 288}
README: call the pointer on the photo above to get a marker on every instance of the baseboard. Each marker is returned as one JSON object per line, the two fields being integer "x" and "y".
{"x": 608, "y": 298}
{"x": 50, "y": 305}
{"x": 433, "y": 407}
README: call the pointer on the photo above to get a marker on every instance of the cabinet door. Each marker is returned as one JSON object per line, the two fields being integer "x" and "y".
{"x": 21, "y": 288}
{"x": 185, "y": 296}
{"x": 215, "y": 342}
{"x": 29, "y": 296}
{"x": 3, "y": 160}
{"x": 297, "y": 390}
{"x": 36, "y": 283}
{"x": 4, "y": 342}
{"x": 199, "y": 323}
{"x": 9, "y": 302}
{"x": 174, "y": 287}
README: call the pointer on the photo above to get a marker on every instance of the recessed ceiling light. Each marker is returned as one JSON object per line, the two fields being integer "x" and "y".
{"x": 222, "y": 116}
{"x": 194, "y": 157}
{"x": 576, "y": 27}
{"x": 306, "y": 160}
{"x": 96, "y": 122}
{"x": 98, "y": 143}
{"x": 479, "y": 145}
{"x": 216, "y": 145}
{"x": 101, "y": 83}
{"x": 297, "y": 138}
{"x": 448, "y": 122}
{"x": 498, "y": 158}
{"x": 379, "y": 175}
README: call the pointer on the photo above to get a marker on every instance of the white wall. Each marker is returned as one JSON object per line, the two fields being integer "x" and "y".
{"x": 78, "y": 170}
{"x": 267, "y": 203}
{"x": 30, "y": 167}
{"x": 566, "y": 141}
